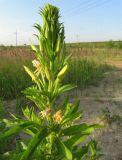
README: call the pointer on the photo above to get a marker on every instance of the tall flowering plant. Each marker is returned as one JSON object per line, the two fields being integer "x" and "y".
{"x": 52, "y": 128}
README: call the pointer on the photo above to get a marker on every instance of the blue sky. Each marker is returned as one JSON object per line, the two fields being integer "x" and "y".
{"x": 84, "y": 20}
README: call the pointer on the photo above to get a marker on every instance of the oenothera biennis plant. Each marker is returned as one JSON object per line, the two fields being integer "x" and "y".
{"x": 51, "y": 126}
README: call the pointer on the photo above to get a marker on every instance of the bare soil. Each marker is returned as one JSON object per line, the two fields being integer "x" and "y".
{"x": 96, "y": 98}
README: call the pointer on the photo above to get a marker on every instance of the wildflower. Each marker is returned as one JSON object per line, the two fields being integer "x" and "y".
{"x": 42, "y": 114}
{"x": 45, "y": 112}
{"x": 36, "y": 63}
{"x": 58, "y": 116}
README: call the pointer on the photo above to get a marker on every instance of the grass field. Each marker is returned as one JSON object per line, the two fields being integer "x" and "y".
{"x": 86, "y": 68}
{"x": 106, "y": 44}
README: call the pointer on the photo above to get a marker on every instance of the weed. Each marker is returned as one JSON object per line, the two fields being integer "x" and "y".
{"x": 53, "y": 132}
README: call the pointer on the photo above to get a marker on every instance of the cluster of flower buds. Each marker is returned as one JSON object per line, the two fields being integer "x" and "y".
{"x": 58, "y": 116}
{"x": 36, "y": 63}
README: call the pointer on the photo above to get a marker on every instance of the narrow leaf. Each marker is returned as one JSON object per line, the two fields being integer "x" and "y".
{"x": 66, "y": 88}
{"x": 81, "y": 153}
{"x": 75, "y": 140}
{"x": 41, "y": 135}
{"x": 63, "y": 149}
{"x": 15, "y": 130}
{"x": 81, "y": 128}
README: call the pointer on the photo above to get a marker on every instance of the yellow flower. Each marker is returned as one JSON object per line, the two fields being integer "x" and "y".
{"x": 58, "y": 116}
{"x": 36, "y": 63}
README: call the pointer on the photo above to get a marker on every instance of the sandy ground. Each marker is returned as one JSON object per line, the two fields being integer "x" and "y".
{"x": 96, "y": 98}
{"x": 92, "y": 101}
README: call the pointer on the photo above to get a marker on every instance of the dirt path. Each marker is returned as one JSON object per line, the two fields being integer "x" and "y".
{"x": 118, "y": 64}
{"x": 95, "y": 99}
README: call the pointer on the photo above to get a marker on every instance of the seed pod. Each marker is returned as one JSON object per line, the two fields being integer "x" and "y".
{"x": 33, "y": 76}
{"x": 63, "y": 71}
{"x": 33, "y": 48}
{"x": 47, "y": 72}
{"x": 58, "y": 48}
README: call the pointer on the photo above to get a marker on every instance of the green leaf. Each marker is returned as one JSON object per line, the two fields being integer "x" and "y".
{"x": 71, "y": 117}
{"x": 76, "y": 139}
{"x": 31, "y": 74}
{"x": 38, "y": 27}
{"x": 21, "y": 146}
{"x": 15, "y": 130}
{"x": 34, "y": 91}
{"x": 71, "y": 108}
{"x": 34, "y": 48}
{"x": 68, "y": 109}
{"x": 30, "y": 114}
{"x": 62, "y": 72}
{"x": 63, "y": 106}
{"x": 41, "y": 135}
{"x": 81, "y": 128}
{"x": 93, "y": 147}
{"x": 75, "y": 107}
{"x": 81, "y": 153}
{"x": 38, "y": 101}
{"x": 11, "y": 123}
{"x": 66, "y": 88}
{"x": 10, "y": 156}
{"x": 63, "y": 150}
{"x": 71, "y": 112}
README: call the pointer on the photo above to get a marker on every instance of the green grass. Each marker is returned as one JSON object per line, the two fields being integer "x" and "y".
{"x": 86, "y": 68}
{"x": 13, "y": 79}
{"x": 106, "y": 44}
{"x": 97, "y": 54}
{"x": 82, "y": 72}
{"x": 7, "y": 144}
{"x": 85, "y": 72}
{"x": 2, "y": 111}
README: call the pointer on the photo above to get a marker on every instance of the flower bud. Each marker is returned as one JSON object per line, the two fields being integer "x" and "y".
{"x": 48, "y": 110}
{"x": 36, "y": 63}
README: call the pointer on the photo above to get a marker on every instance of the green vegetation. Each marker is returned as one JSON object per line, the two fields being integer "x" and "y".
{"x": 53, "y": 131}
{"x": 82, "y": 72}
{"x": 2, "y": 111}
{"x": 5, "y": 144}
{"x": 106, "y": 44}
{"x": 87, "y": 67}
{"x": 13, "y": 79}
